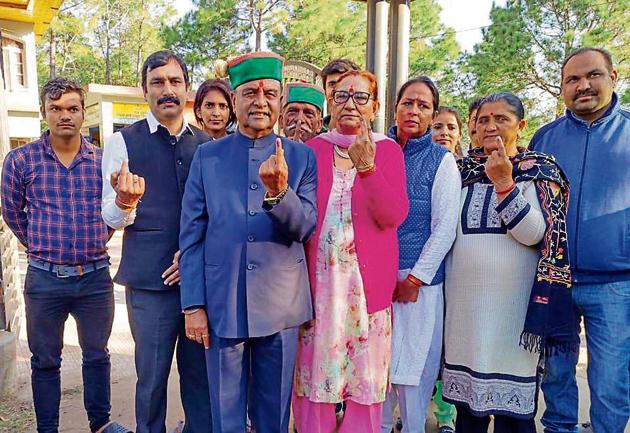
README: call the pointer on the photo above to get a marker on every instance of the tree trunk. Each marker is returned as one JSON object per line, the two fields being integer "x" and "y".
{"x": 53, "y": 55}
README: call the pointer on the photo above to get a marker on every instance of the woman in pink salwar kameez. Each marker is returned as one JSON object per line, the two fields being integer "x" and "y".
{"x": 344, "y": 353}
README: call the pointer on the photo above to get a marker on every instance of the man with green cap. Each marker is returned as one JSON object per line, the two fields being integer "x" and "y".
{"x": 248, "y": 209}
{"x": 301, "y": 117}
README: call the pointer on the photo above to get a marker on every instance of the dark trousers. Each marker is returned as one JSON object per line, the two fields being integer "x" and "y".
{"x": 466, "y": 422}
{"x": 49, "y": 300}
{"x": 157, "y": 326}
{"x": 252, "y": 376}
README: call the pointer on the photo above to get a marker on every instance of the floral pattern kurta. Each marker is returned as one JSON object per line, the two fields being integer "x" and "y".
{"x": 344, "y": 353}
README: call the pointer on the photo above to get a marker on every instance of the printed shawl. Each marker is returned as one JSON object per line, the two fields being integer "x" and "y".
{"x": 550, "y": 323}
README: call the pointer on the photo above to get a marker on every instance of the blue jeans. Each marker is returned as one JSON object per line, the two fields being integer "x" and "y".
{"x": 49, "y": 300}
{"x": 605, "y": 309}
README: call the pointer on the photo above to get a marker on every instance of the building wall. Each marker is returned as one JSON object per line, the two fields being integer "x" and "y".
{"x": 22, "y": 102}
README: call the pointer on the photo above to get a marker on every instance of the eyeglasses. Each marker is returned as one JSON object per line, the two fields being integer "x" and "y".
{"x": 359, "y": 98}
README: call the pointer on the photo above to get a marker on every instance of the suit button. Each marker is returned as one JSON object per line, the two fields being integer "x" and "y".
{"x": 253, "y": 186}
{"x": 173, "y": 141}
{"x": 179, "y": 161}
{"x": 250, "y": 238}
{"x": 250, "y": 267}
{"x": 251, "y": 213}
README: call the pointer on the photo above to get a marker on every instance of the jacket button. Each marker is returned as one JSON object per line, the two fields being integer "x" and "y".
{"x": 250, "y": 267}
{"x": 251, "y": 213}
{"x": 253, "y": 186}
{"x": 173, "y": 141}
{"x": 250, "y": 238}
{"x": 179, "y": 161}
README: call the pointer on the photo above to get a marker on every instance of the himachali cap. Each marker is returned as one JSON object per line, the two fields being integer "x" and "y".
{"x": 304, "y": 92}
{"x": 255, "y": 66}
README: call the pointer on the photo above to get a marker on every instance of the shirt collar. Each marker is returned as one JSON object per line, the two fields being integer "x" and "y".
{"x": 265, "y": 141}
{"x": 154, "y": 124}
{"x": 610, "y": 112}
{"x": 86, "y": 150}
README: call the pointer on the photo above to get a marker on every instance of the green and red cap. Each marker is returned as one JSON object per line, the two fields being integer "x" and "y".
{"x": 305, "y": 92}
{"x": 255, "y": 66}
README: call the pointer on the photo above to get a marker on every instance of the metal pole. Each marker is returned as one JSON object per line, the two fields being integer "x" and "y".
{"x": 371, "y": 29}
{"x": 380, "y": 61}
{"x": 402, "y": 53}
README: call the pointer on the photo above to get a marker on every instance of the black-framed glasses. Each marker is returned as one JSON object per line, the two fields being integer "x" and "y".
{"x": 359, "y": 98}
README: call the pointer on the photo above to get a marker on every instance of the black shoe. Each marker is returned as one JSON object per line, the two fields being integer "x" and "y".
{"x": 446, "y": 429}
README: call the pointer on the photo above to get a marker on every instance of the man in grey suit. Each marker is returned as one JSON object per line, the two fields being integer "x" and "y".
{"x": 248, "y": 208}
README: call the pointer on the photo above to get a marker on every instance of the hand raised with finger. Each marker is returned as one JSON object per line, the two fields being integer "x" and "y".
{"x": 129, "y": 187}
{"x": 274, "y": 172}
{"x": 499, "y": 167}
{"x": 362, "y": 152}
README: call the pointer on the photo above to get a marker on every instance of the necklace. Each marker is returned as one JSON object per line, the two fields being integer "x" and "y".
{"x": 341, "y": 153}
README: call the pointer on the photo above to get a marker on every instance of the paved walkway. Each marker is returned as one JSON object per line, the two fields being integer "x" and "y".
{"x": 73, "y": 419}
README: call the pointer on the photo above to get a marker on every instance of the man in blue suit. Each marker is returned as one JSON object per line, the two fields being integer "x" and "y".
{"x": 248, "y": 208}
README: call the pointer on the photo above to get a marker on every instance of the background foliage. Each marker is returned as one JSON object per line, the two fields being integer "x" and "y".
{"x": 105, "y": 41}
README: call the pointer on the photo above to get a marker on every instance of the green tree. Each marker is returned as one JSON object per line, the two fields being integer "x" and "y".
{"x": 102, "y": 41}
{"x": 211, "y": 31}
{"x": 523, "y": 49}
{"x": 319, "y": 30}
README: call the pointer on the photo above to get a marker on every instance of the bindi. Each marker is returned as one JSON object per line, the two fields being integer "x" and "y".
{"x": 351, "y": 89}
{"x": 261, "y": 84}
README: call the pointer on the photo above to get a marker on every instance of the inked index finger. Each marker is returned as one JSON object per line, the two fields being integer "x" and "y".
{"x": 279, "y": 151}
{"x": 500, "y": 147}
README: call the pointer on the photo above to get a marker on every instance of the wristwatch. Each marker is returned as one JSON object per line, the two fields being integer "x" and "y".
{"x": 272, "y": 201}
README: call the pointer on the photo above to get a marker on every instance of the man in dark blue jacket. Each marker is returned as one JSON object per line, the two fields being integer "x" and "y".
{"x": 592, "y": 144}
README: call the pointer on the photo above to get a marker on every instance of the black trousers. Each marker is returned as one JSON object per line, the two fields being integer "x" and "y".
{"x": 466, "y": 422}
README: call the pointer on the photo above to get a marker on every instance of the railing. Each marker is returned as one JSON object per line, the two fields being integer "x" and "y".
{"x": 11, "y": 299}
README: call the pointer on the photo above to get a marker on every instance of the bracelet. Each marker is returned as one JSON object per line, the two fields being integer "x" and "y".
{"x": 191, "y": 311}
{"x": 124, "y": 206}
{"x": 367, "y": 171}
{"x": 507, "y": 190}
{"x": 413, "y": 280}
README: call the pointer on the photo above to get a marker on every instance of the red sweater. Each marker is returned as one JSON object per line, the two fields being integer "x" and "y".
{"x": 379, "y": 206}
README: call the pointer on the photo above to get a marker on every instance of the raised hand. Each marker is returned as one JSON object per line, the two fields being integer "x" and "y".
{"x": 499, "y": 168}
{"x": 363, "y": 150}
{"x": 274, "y": 172}
{"x": 129, "y": 187}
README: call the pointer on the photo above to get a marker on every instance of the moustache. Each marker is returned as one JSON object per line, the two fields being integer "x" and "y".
{"x": 585, "y": 93}
{"x": 302, "y": 126}
{"x": 166, "y": 99}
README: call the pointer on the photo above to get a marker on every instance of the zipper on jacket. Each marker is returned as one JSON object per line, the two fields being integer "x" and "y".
{"x": 579, "y": 203}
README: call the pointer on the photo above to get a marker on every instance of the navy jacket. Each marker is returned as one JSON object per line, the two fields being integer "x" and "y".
{"x": 596, "y": 159}
{"x": 245, "y": 263}
{"x": 151, "y": 241}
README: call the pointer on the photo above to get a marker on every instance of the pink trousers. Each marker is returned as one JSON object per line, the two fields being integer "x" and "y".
{"x": 311, "y": 417}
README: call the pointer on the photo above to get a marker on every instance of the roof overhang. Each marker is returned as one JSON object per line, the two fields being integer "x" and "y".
{"x": 37, "y": 12}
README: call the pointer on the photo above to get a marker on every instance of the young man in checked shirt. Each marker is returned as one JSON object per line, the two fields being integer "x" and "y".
{"x": 51, "y": 200}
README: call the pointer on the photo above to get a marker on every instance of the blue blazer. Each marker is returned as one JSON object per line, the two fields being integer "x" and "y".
{"x": 241, "y": 260}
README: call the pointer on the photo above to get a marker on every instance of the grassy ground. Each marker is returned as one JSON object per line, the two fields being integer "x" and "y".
{"x": 16, "y": 416}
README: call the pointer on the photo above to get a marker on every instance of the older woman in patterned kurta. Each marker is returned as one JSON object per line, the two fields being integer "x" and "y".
{"x": 506, "y": 276}
{"x": 344, "y": 353}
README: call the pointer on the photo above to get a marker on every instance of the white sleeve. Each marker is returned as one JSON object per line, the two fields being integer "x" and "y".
{"x": 114, "y": 154}
{"x": 445, "y": 198}
{"x": 520, "y": 212}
